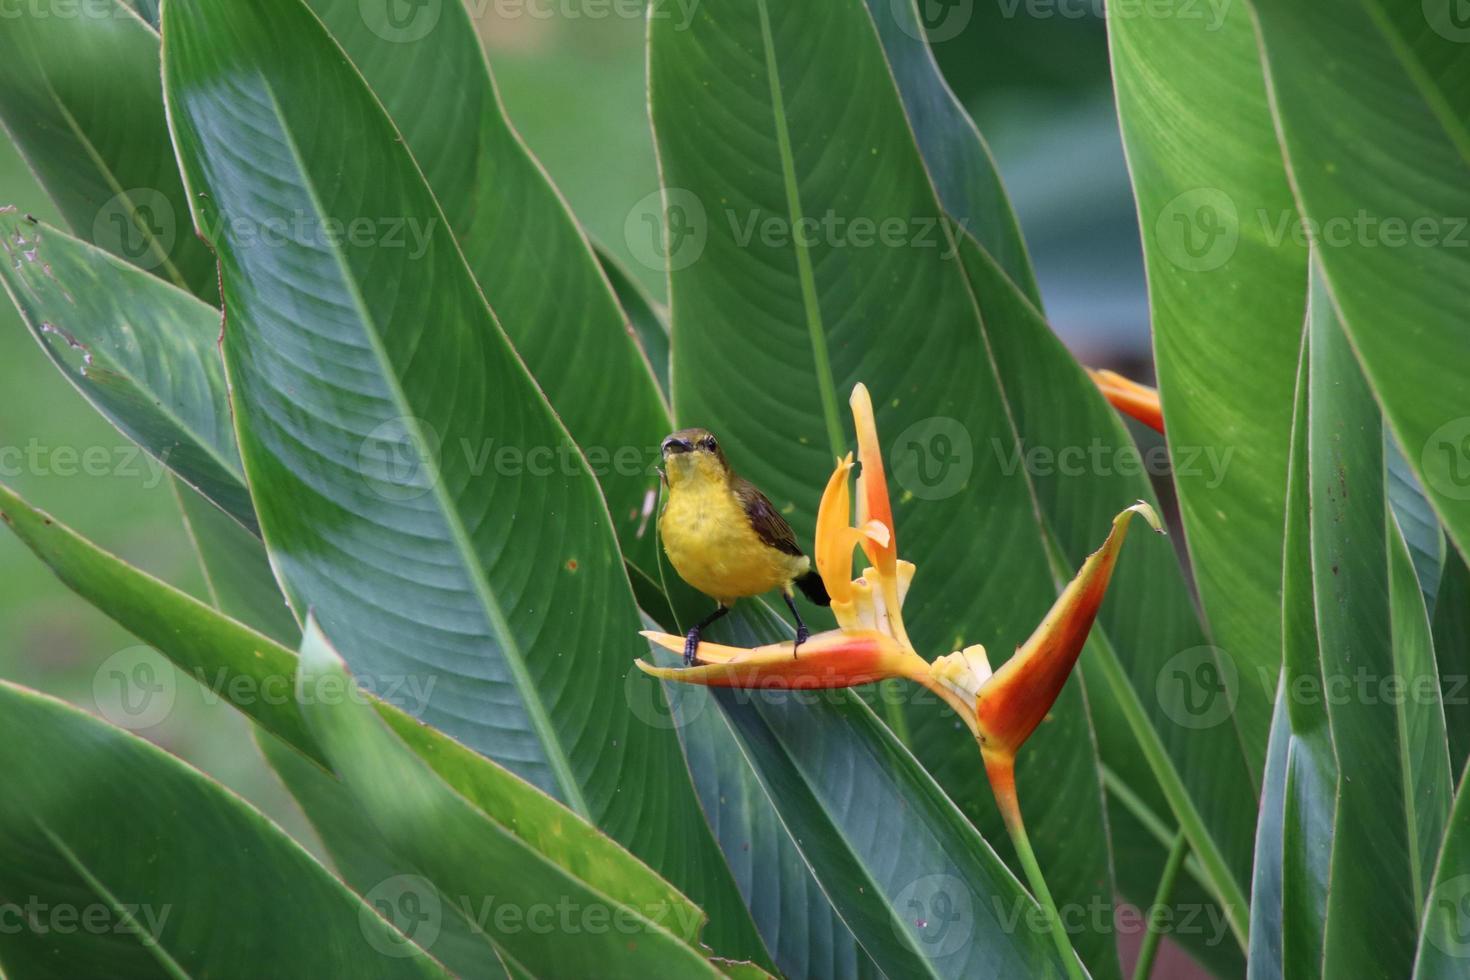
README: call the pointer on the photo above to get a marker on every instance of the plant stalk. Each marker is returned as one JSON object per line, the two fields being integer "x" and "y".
{"x": 1150, "y": 945}
{"x": 1001, "y": 768}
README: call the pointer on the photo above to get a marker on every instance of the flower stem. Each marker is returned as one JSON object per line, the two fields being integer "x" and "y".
{"x": 1150, "y": 945}
{"x": 1002, "y": 772}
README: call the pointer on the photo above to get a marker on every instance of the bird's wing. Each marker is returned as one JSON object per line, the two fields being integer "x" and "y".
{"x": 764, "y": 519}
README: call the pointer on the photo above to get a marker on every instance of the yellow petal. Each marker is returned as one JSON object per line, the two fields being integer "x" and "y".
{"x": 837, "y": 658}
{"x": 834, "y": 533}
{"x": 1015, "y": 699}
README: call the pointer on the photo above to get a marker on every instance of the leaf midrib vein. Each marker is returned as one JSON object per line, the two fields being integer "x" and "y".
{"x": 826, "y": 387}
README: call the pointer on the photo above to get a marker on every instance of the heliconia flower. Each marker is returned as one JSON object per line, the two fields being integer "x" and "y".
{"x": 837, "y": 658}
{"x": 1001, "y": 708}
{"x": 1130, "y": 397}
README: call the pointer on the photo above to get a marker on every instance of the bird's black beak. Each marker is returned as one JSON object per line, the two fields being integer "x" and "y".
{"x": 672, "y": 446}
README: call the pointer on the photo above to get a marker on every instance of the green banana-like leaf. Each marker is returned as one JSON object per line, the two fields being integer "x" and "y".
{"x": 964, "y": 173}
{"x": 1391, "y": 226}
{"x": 365, "y": 860}
{"x": 81, "y": 99}
{"x": 1299, "y": 800}
{"x": 1444, "y": 941}
{"x": 647, "y": 316}
{"x": 143, "y": 352}
{"x": 467, "y": 854}
{"x": 1368, "y": 762}
{"x": 1227, "y": 303}
{"x": 1451, "y": 628}
{"x": 376, "y": 397}
{"x": 920, "y": 891}
{"x": 237, "y": 573}
{"x": 524, "y": 247}
{"x": 257, "y": 675}
{"x": 1416, "y": 519}
{"x": 1269, "y": 882}
{"x": 124, "y": 896}
{"x": 804, "y": 932}
{"x": 215, "y": 650}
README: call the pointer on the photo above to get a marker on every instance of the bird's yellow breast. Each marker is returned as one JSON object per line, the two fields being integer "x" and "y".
{"x": 712, "y": 546}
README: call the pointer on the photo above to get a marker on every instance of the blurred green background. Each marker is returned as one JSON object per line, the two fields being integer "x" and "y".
{"x": 1037, "y": 85}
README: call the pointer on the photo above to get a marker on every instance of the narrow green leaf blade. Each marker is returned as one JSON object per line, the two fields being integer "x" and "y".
{"x": 1452, "y": 653}
{"x": 131, "y": 885}
{"x": 80, "y": 98}
{"x": 144, "y": 353}
{"x": 1394, "y": 786}
{"x": 479, "y": 861}
{"x": 1444, "y": 942}
{"x": 648, "y": 318}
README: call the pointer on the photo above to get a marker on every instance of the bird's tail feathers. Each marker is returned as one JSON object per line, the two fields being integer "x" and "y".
{"x": 811, "y": 586}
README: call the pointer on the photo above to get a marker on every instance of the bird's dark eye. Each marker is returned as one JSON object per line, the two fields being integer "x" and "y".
{"x": 708, "y": 442}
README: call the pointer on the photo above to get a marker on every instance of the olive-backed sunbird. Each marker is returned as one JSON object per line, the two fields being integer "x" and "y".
{"x": 724, "y": 537}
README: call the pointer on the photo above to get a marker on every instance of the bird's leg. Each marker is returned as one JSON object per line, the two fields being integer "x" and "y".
{"x": 801, "y": 630}
{"x": 691, "y": 639}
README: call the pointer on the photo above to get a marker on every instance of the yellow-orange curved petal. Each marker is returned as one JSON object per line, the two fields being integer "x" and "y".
{"x": 1014, "y": 700}
{"x": 872, "y": 482}
{"x": 1130, "y": 397}
{"x": 838, "y": 658}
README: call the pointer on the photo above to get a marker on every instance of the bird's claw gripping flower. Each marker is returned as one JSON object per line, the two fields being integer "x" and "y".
{"x": 871, "y": 643}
